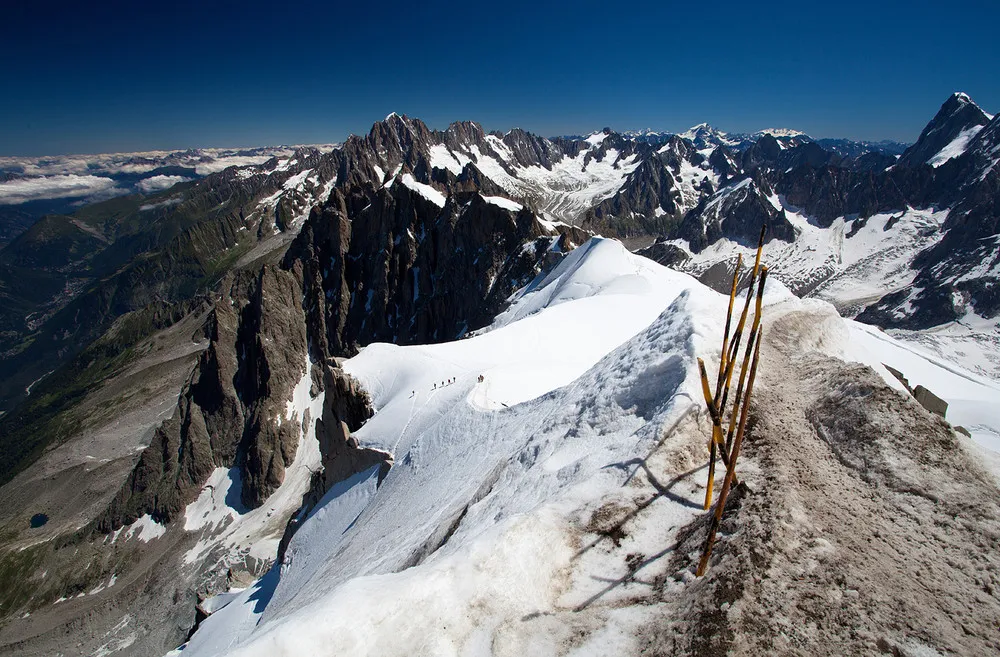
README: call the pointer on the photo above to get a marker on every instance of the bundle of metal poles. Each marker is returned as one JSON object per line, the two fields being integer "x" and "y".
{"x": 729, "y": 447}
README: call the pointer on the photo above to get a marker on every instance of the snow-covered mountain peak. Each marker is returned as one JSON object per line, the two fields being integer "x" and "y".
{"x": 645, "y": 133}
{"x": 961, "y": 97}
{"x": 700, "y": 128}
{"x": 779, "y": 132}
{"x": 702, "y": 131}
{"x": 948, "y": 133}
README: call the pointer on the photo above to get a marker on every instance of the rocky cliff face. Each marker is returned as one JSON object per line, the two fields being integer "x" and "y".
{"x": 957, "y": 115}
{"x": 231, "y": 411}
{"x": 408, "y": 260}
{"x": 961, "y": 272}
{"x": 737, "y": 212}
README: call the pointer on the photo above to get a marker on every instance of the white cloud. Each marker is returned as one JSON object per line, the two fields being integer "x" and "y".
{"x": 130, "y": 167}
{"x": 162, "y": 204}
{"x": 205, "y": 168}
{"x": 158, "y": 183}
{"x": 15, "y": 192}
{"x": 61, "y": 166}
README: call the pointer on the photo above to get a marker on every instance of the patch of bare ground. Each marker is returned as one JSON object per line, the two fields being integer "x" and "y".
{"x": 864, "y": 528}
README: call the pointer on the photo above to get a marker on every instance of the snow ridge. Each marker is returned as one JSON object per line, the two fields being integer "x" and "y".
{"x": 471, "y": 544}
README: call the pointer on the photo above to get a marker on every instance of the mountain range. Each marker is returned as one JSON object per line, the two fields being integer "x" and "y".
{"x": 164, "y": 345}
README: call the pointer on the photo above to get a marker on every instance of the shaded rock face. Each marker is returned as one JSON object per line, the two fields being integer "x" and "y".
{"x": 407, "y": 271}
{"x": 345, "y": 408}
{"x": 182, "y": 452}
{"x": 273, "y": 340}
{"x": 736, "y": 212}
{"x": 229, "y": 413}
{"x": 647, "y": 204}
{"x": 723, "y": 161}
{"x": 664, "y": 253}
{"x": 956, "y": 115}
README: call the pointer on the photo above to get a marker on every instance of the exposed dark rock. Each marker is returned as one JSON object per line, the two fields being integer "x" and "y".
{"x": 930, "y": 401}
{"x": 646, "y": 204}
{"x": 723, "y": 161}
{"x": 668, "y": 255}
{"x": 273, "y": 339}
{"x": 957, "y": 114}
{"x": 764, "y": 152}
{"x": 393, "y": 272}
{"x": 345, "y": 408}
{"x": 899, "y": 376}
{"x": 736, "y": 212}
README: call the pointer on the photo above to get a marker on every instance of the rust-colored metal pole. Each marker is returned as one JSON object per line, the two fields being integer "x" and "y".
{"x": 754, "y": 330}
{"x": 730, "y": 473}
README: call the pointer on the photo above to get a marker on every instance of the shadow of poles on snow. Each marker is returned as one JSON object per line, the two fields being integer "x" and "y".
{"x": 663, "y": 490}
{"x": 629, "y": 577}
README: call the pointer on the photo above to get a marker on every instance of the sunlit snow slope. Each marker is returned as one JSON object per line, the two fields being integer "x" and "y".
{"x": 853, "y": 264}
{"x": 481, "y": 539}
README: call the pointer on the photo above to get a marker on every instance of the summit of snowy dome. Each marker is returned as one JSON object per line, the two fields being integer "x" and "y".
{"x": 391, "y": 115}
{"x": 596, "y": 138}
{"x": 701, "y": 129}
{"x": 779, "y": 132}
{"x": 961, "y": 96}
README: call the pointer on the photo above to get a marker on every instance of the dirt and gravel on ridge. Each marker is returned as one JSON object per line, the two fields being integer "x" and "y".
{"x": 865, "y": 527}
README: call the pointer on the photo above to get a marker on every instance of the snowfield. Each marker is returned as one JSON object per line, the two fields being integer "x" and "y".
{"x": 849, "y": 264}
{"x": 852, "y": 264}
{"x": 498, "y": 529}
{"x": 567, "y": 190}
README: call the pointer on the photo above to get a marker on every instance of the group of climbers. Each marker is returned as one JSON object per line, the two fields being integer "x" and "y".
{"x": 447, "y": 382}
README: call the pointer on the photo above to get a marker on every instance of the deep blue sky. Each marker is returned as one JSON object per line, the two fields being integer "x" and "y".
{"x": 136, "y": 75}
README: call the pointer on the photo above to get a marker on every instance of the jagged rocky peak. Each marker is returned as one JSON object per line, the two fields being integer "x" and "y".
{"x": 764, "y": 152}
{"x": 529, "y": 149}
{"x": 735, "y": 212}
{"x": 605, "y": 140}
{"x": 984, "y": 153}
{"x": 958, "y": 119}
{"x": 725, "y": 163}
{"x": 676, "y": 150}
{"x": 462, "y": 134}
{"x": 398, "y": 134}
